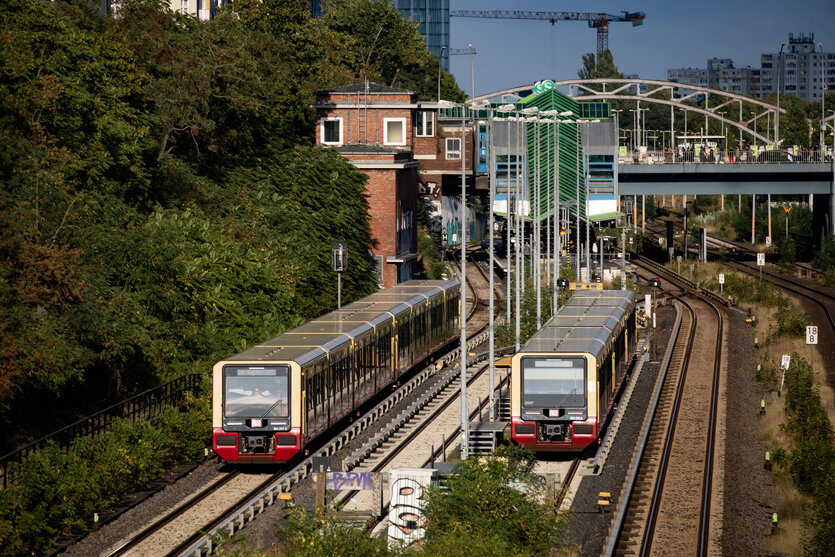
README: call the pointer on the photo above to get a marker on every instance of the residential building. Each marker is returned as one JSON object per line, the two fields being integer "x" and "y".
{"x": 721, "y": 74}
{"x": 803, "y": 70}
{"x": 799, "y": 67}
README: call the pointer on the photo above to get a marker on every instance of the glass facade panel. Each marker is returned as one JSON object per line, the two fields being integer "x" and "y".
{"x": 433, "y": 19}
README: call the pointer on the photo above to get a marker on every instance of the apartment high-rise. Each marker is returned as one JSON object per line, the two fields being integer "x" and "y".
{"x": 720, "y": 73}
{"x": 799, "y": 67}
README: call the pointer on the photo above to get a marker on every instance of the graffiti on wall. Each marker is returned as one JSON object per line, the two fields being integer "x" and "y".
{"x": 406, "y": 506}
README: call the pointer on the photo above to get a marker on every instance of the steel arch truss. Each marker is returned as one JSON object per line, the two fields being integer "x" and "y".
{"x": 631, "y": 89}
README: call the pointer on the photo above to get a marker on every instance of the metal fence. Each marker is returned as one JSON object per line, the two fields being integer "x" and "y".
{"x": 144, "y": 406}
{"x": 727, "y": 156}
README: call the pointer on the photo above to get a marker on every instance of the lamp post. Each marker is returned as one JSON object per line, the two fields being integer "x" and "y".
{"x": 472, "y": 70}
{"x": 440, "y": 64}
{"x": 506, "y": 108}
{"x": 491, "y": 225}
{"x": 465, "y": 413}
{"x": 532, "y": 170}
{"x": 823, "y": 92}
{"x": 462, "y": 218}
{"x": 776, "y": 118}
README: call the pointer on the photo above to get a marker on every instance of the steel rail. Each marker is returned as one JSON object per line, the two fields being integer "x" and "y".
{"x": 704, "y": 524}
{"x": 172, "y": 514}
{"x": 623, "y": 505}
{"x": 655, "y": 503}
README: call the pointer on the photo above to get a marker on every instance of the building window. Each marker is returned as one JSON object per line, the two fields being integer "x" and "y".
{"x": 395, "y": 131}
{"x": 425, "y": 123}
{"x": 453, "y": 148}
{"x": 331, "y": 130}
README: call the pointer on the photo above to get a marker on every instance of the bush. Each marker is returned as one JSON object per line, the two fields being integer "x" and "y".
{"x": 307, "y": 535}
{"x": 56, "y": 493}
{"x": 492, "y": 506}
{"x": 788, "y": 322}
{"x": 811, "y": 458}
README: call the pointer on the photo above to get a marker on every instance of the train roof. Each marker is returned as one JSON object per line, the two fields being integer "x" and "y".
{"x": 610, "y": 322}
{"x": 411, "y": 299}
{"x": 585, "y": 324}
{"x": 350, "y": 328}
{"x": 265, "y": 353}
{"x": 337, "y": 329}
{"x": 364, "y": 310}
{"x": 601, "y": 298}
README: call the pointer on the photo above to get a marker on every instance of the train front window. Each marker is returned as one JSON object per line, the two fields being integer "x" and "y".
{"x": 256, "y": 392}
{"x": 553, "y": 382}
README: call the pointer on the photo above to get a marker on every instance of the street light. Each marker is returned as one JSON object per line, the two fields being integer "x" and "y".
{"x": 472, "y": 70}
{"x": 776, "y": 118}
{"x": 823, "y": 92}
{"x": 440, "y": 63}
{"x": 491, "y": 225}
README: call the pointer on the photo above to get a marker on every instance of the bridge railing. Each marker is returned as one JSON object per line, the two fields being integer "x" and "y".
{"x": 727, "y": 156}
{"x": 144, "y": 406}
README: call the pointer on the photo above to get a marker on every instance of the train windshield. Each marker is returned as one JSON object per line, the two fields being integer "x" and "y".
{"x": 554, "y": 382}
{"x": 256, "y": 392}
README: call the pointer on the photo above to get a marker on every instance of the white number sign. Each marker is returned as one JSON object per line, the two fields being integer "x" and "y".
{"x": 784, "y": 363}
{"x": 721, "y": 278}
{"x": 812, "y": 334}
{"x": 760, "y": 259}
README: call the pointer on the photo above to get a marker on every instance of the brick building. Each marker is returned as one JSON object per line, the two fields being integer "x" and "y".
{"x": 440, "y": 162}
{"x": 379, "y": 130}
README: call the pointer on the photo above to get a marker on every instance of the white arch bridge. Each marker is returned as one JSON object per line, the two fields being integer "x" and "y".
{"x": 661, "y": 92}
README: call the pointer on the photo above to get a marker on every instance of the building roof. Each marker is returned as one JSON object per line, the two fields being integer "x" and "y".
{"x": 372, "y": 88}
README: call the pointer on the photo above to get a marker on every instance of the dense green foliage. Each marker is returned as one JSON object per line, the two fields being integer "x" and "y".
{"x": 163, "y": 204}
{"x": 55, "y": 493}
{"x": 489, "y": 506}
{"x": 311, "y": 535}
{"x": 810, "y": 459}
{"x": 492, "y": 506}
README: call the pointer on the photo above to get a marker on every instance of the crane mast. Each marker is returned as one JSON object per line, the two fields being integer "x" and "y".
{"x": 596, "y": 20}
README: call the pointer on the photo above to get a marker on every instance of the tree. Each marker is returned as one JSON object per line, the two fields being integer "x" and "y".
{"x": 492, "y": 506}
{"x": 602, "y": 66}
{"x": 387, "y": 49}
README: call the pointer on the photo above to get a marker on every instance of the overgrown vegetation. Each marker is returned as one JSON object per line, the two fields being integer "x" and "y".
{"x": 56, "y": 493}
{"x": 810, "y": 456}
{"x": 163, "y": 204}
{"x": 492, "y": 506}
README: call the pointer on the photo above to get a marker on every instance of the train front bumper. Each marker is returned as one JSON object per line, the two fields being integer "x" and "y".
{"x": 234, "y": 446}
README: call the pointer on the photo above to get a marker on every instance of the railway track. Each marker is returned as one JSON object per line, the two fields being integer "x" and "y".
{"x": 182, "y": 530}
{"x": 668, "y": 505}
{"x": 416, "y": 434}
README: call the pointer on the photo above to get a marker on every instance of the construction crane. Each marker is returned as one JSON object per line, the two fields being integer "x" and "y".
{"x": 597, "y": 21}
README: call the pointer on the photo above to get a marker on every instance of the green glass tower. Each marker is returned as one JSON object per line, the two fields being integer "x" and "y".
{"x": 433, "y": 17}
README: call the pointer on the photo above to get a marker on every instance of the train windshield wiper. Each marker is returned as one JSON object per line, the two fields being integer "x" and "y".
{"x": 270, "y": 409}
{"x": 568, "y": 394}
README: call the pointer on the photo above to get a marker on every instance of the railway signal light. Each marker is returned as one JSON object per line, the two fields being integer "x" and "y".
{"x": 655, "y": 282}
{"x": 562, "y": 282}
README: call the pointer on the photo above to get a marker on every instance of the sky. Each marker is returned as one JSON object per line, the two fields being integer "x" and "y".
{"x": 675, "y": 34}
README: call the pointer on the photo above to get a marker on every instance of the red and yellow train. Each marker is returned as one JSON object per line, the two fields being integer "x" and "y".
{"x": 273, "y": 399}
